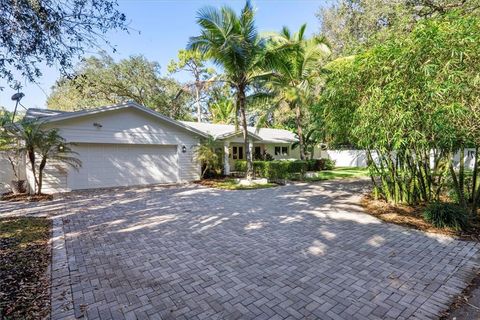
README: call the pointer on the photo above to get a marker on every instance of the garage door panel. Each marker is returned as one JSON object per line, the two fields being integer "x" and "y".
{"x": 111, "y": 165}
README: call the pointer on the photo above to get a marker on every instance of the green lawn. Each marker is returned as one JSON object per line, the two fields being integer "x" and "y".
{"x": 340, "y": 173}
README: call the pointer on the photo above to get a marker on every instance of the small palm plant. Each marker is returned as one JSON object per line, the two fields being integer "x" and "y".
{"x": 206, "y": 155}
{"x": 41, "y": 146}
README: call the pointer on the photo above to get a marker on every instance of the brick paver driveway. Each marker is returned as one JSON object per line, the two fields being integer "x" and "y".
{"x": 302, "y": 251}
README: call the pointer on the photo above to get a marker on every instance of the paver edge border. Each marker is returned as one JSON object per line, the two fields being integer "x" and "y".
{"x": 61, "y": 290}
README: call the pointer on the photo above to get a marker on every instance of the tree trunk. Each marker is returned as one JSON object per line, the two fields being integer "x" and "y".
{"x": 241, "y": 105}
{"x": 197, "y": 99}
{"x": 298, "y": 120}
{"x": 40, "y": 175}
{"x": 456, "y": 184}
{"x": 31, "y": 157}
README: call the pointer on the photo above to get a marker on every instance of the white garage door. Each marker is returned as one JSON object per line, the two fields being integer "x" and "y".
{"x": 112, "y": 165}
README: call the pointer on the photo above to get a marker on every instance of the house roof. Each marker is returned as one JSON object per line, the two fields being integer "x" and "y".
{"x": 222, "y": 131}
{"x": 48, "y": 116}
{"x": 217, "y": 131}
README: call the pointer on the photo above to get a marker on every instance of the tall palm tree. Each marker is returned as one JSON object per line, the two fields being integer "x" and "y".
{"x": 298, "y": 79}
{"x": 233, "y": 43}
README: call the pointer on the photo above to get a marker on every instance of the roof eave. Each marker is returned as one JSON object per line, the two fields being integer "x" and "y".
{"x": 82, "y": 113}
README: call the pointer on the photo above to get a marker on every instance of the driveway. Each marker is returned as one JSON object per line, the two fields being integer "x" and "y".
{"x": 303, "y": 251}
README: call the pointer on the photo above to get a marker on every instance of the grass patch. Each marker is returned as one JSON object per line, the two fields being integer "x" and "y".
{"x": 231, "y": 184}
{"x": 24, "y": 260}
{"x": 340, "y": 173}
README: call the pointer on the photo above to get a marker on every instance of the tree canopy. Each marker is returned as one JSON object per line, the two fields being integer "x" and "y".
{"x": 102, "y": 81}
{"x": 52, "y": 32}
{"x": 354, "y": 25}
{"x": 407, "y": 96}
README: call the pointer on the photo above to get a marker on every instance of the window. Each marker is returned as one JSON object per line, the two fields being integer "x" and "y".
{"x": 257, "y": 155}
{"x": 281, "y": 151}
{"x": 237, "y": 153}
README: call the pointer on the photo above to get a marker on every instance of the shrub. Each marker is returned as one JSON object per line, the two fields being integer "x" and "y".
{"x": 276, "y": 169}
{"x": 327, "y": 164}
{"x": 443, "y": 215}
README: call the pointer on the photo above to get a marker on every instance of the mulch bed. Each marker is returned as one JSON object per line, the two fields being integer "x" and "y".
{"x": 24, "y": 259}
{"x": 411, "y": 217}
{"x": 25, "y": 197}
{"x": 461, "y": 308}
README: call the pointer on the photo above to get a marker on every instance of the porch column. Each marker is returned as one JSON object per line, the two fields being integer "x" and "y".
{"x": 226, "y": 158}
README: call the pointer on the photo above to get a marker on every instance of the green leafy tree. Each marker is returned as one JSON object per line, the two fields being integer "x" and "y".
{"x": 297, "y": 80}
{"x": 407, "y": 97}
{"x": 52, "y": 32}
{"x": 102, "y": 81}
{"x": 194, "y": 62}
{"x": 233, "y": 43}
{"x": 352, "y": 25}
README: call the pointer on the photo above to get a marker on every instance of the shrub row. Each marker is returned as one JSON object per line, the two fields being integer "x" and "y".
{"x": 285, "y": 169}
{"x": 274, "y": 170}
{"x": 320, "y": 164}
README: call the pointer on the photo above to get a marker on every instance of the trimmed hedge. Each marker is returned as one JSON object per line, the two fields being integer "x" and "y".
{"x": 276, "y": 169}
{"x": 320, "y": 164}
{"x": 285, "y": 169}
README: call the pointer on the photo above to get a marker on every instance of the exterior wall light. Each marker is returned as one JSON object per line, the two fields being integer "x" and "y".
{"x": 184, "y": 149}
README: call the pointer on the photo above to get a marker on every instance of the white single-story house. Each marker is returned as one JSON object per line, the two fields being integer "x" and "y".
{"x": 129, "y": 144}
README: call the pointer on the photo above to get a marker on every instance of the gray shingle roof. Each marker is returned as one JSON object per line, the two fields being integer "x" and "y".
{"x": 218, "y": 131}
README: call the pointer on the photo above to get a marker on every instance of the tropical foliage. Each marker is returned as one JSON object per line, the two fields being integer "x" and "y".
{"x": 297, "y": 78}
{"x": 206, "y": 154}
{"x": 40, "y": 146}
{"x": 233, "y": 43}
{"x": 407, "y": 100}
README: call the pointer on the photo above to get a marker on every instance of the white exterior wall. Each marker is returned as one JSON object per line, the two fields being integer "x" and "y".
{"x": 292, "y": 153}
{"x": 124, "y": 126}
{"x": 7, "y": 174}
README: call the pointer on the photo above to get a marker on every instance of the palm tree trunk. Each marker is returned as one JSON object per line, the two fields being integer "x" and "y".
{"x": 31, "y": 158}
{"x": 248, "y": 155}
{"x": 298, "y": 120}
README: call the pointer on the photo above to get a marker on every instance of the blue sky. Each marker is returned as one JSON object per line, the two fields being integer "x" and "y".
{"x": 161, "y": 27}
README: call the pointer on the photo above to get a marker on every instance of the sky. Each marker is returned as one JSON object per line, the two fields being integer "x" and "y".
{"x": 159, "y": 28}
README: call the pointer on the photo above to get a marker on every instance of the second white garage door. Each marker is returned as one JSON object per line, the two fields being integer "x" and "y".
{"x": 112, "y": 165}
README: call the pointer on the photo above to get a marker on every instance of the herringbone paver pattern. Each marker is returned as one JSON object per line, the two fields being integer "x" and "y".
{"x": 296, "y": 252}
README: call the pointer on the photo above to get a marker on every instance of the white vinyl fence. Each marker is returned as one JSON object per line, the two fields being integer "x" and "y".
{"x": 358, "y": 158}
